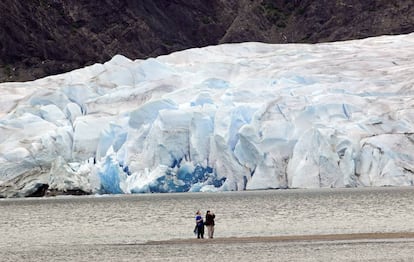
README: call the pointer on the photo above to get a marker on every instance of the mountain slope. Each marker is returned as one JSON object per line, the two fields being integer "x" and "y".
{"x": 45, "y": 37}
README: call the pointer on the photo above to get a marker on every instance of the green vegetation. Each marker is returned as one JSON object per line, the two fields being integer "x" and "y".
{"x": 75, "y": 26}
{"x": 275, "y": 14}
{"x": 43, "y": 3}
{"x": 8, "y": 70}
{"x": 300, "y": 11}
{"x": 206, "y": 20}
{"x": 272, "y": 12}
{"x": 281, "y": 24}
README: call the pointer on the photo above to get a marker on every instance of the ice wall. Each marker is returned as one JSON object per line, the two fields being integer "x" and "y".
{"x": 226, "y": 117}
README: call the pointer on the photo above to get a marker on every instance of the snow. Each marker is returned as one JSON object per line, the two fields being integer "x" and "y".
{"x": 227, "y": 117}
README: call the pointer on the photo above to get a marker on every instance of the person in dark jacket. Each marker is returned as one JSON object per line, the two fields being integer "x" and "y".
{"x": 199, "y": 225}
{"x": 210, "y": 223}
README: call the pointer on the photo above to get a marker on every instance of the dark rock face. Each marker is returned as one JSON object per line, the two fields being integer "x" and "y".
{"x": 54, "y": 192}
{"x": 45, "y": 37}
{"x": 40, "y": 191}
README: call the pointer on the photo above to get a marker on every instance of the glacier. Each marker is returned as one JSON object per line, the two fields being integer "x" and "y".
{"x": 240, "y": 116}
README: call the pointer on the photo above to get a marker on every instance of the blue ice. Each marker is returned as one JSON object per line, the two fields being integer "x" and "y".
{"x": 149, "y": 112}
{"x": 240, "y": 116}
{"x": 110, "y": 178}
{"x": 216, "y": 83}
{"x": 186, "y": 179}
{"x": 115, "y": 137}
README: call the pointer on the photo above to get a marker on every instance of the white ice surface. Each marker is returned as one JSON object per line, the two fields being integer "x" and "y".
{"x": 226, "y": 117}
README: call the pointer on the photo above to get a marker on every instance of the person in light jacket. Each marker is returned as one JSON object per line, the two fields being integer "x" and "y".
{"x": 210, "y": 223}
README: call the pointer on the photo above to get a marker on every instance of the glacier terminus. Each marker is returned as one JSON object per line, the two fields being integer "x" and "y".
{"x": 240, "y": 116}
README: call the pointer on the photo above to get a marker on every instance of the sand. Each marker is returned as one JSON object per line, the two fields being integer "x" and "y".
{"x": 293, "y": 238}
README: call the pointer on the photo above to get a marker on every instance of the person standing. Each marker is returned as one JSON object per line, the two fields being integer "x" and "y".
{"x": 199, "y": 225}
{"x": 210, "y": 223}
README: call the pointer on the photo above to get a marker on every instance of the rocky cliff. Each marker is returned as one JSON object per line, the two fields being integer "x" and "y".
{"x": 45, "y": 37}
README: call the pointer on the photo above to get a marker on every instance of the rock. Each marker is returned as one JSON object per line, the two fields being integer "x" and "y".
{"x": 47, "y": 37}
